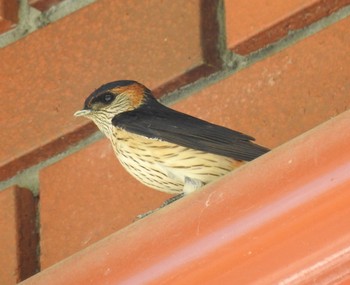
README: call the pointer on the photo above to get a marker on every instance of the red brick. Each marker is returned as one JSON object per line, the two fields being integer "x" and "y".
{"x": 18, "y": 240}
{"x": 284, "y": 95}
{"x": 251, "y": 25}
{"x": 8, "y": 15}
{"x": 43, "y": 5}
{"x": 45, "y": 77}
{"x": 86, "y": 197}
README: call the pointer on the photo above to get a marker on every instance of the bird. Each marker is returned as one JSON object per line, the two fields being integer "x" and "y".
{"x": 165, "y": 149}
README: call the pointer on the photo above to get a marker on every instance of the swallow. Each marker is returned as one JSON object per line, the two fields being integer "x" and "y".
{"x": 162, "y": 148}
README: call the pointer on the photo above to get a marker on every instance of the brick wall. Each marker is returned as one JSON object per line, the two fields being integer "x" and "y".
{"x": 272, "y": 69}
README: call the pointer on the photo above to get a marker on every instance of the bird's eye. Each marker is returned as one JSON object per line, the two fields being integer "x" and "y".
{"x": 107, "y": 97}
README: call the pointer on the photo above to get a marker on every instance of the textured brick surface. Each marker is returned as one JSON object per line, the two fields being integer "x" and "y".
{"x": 45, "y": 77}
{"x": 86, "y": 197}
{"x": 17, "y": 235}
{"x": 43, "y": 5}
{"x": 285, "y": 95}
{"x": 8, "y": 14}
{"x": 251, "y": 25}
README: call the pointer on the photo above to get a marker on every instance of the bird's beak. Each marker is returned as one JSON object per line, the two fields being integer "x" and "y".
{"x": 82, "y": 113}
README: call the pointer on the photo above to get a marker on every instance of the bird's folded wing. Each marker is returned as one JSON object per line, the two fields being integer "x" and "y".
{"x": 169, "y": 125}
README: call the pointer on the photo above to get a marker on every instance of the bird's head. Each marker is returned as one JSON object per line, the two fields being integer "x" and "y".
{"x": 112, "y": 99}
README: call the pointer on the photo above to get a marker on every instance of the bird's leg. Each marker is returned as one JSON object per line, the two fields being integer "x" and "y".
{"x": 190, "y": 185}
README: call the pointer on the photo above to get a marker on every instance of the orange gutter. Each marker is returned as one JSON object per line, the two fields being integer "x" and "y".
{"x": 282, "y": 219}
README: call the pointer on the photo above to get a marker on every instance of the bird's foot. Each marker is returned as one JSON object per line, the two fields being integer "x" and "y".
{"x": 167, "y": 202}
{"x": 172, "y": 199}
{"x": 141, "y": 216}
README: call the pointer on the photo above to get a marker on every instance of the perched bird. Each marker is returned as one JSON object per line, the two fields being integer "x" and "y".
{"x": 165, "y": 149}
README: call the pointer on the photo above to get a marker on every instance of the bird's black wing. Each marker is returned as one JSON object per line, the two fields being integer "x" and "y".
{"x": 163, "y": 123}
